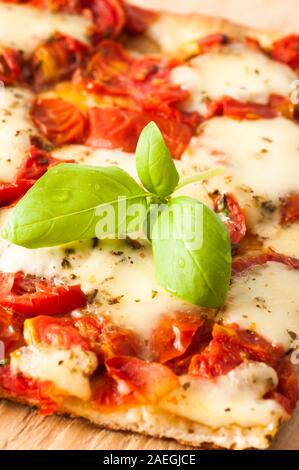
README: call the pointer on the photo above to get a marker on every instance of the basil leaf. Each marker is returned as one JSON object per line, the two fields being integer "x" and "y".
{"x": 192, "y": 252}
{"x": 75, "y": 202}
{"x": 155, "y": 166}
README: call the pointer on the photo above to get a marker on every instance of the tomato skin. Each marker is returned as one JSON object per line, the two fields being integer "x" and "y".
{"x": 229, "y": 348}
{"x": 232, "y": 214}
{"x": 286, "y": 50}
{"x": 36, "y": 163}
{"x": 132, "y": 382}
{"x": 10, "y": 331}
{"x": 56, "y": 59}
{"x": 137, "y": 19}
{"x": 120, "y": 128}
{"x": 31, "y": 390}
{"x": 290, "y": 210}
{"x": 288, "y": 384}
{"x": 10, "y": 192}
{"x": 212, "y": 42}
{"x": 34, "y": 296}
{"x": 58, "y": 332}
{"x": 226, "y": 106}
{"x": 246, "y": 262}
{"x": 174, "y": 335}
{"x": 59, "y": 121}
{"x": 108, "y": 16}
{"x": 10, "y": 66}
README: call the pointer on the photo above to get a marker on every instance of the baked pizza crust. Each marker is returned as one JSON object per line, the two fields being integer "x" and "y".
{"x": 153, "y": 423}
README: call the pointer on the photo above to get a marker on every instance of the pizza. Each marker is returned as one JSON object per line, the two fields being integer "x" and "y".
{"x": 99, "y": 93}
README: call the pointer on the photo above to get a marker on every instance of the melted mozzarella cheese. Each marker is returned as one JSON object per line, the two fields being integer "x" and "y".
{"x": 68, "y": 370}
{"x": 234, "y": 398}
{"x": 286, "y": 240}
{"x": 260, "y": 160}
{"x": 265, "y": 299}
{"x": 24, "y": 27}
{"x": 234, "y": 71}
{"x": 15, "y": 130}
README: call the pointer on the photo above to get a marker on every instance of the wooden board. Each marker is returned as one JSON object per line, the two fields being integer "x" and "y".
{"x": 23, "y": 428}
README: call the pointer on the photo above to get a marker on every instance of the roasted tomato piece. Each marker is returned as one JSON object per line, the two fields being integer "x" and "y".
{"x": 10, "y": 192}
{"x": 10, "y": 330}
{"x": 276, "y": 106}
{"x": 57, "y": 59}
{"x": 288, "y": 383}
{"x": 59, "y": 121}
{"x": 10, "y": 66}
{"x": 31, "y": 296}
{"x": 36, "y": 163}
{"x": 108, "y": 16}
{"x": 290, "y": 210}
{"x": 121, "y": 128}
{"x": 115, "y": 341}
{"x": 137, "y": 19}
{"x": 112, "y": 70}
{"x": 31, "y": 390}
{"x": 229, "y": 348}
{"x": 286, "y": 50}
{"x": 150, "y": 83}
{"x": 212, "y": 42}
{"x": 174, "y": 335}
{"x": 133, "y": 382}
{"x": 232, "y": 214}
{"x": 109, "y": 69}
{"x": 246, "y": 262}
{"x": 58, "y": 332}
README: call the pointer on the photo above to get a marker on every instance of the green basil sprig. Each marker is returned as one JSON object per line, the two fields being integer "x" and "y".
{"x": 155, "y": 166}
{"x": 191, "y": 246}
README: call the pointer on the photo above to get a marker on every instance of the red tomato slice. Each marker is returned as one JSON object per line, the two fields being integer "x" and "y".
{"x": 116, "y": 341}
{"x": 233, "y": 216}
{"x": 290, "y": 210}
{"x": 120, "y": 128}
{"x": 10, "y": 192}
{"x": 246, "y": 262}
{"x": 147, "y": 381}
{"x": 35, "y": 165}
{"x": 132, "y": 382}
{"x": 109, "y": 69}
{"x": 108, "y": 16}
{"x": 11, "y": 327}
{"x": 31, "y": 296}
{"x": 212, "y": 42}
{"x": 288, "y": 383}
{"x": 35, "y": 392}
{"x": 59, "y": 121}
{"x": 226, "y": 106}
{"x": 58, "y": 332}
{"x": 56, "y": 59}
{"x": 137, "y": 19}
{"x": 174, "y": 335}
{"x": 286, "y": 50}
{"x": 229, "y": 348}
{"x": 10, "y": 66}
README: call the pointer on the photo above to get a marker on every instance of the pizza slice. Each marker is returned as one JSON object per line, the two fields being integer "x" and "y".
{"x": 87, "y": 328}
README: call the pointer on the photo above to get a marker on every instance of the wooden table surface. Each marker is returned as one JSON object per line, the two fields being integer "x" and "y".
{"x": 23, "y": 428}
